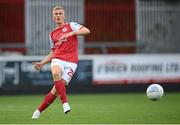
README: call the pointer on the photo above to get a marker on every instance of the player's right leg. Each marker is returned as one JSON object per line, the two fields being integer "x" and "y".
{"x": 49, "y": 99}
{"x": 60, "y": 86}
{"x": 57, "y": 68}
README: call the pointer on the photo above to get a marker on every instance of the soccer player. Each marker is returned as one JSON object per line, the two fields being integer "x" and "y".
{"x": 63, "y": 58}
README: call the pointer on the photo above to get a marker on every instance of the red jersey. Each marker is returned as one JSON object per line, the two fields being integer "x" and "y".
{"x": 68, "y": 50}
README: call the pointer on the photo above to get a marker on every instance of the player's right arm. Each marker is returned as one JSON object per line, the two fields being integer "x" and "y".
{"x": 47, "y": 59}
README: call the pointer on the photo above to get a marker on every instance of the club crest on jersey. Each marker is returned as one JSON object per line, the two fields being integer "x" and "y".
{"x": 64, "y": 29}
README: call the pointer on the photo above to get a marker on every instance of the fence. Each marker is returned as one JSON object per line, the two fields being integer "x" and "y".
{"x": 156, "y": 26}
{"x": 39, "y": 22}
{"x": 117, "y": 26}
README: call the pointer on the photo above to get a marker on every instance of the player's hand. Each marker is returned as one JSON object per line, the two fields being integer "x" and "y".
{"x": 37, "y": 65}
{"x": 58, "y": 43}
{"x": 64, "y": 37}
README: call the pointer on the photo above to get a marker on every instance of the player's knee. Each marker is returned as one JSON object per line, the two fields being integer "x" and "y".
{"x": 54, "y": 92}
{"x": 56, "y": 72}
{"x": 56, "y": 76}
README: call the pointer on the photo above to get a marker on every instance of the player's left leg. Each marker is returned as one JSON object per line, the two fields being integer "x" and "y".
{"x": 48, "y": 100}
{"x": 62, "y": 73}
{"x": 61, "y": 90}
{"x": 69, "y": 70}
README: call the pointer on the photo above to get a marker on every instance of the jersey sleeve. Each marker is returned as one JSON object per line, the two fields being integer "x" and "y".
{"x": 75, "y": 26}
{"x": 51, "y": 42}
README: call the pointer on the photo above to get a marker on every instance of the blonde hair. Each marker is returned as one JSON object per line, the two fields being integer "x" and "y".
{"x": 58, "y": 7}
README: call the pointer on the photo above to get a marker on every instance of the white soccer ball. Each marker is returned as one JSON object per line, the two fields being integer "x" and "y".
{"x": 155, "y": 92}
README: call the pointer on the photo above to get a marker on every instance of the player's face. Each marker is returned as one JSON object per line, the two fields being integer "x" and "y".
{"x": 58, "y": 16}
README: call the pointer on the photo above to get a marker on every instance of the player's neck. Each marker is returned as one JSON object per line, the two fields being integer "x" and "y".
{"x": 60, "y": 24}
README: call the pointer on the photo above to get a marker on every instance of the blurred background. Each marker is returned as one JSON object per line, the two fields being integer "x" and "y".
{"x": 133, "y": 43}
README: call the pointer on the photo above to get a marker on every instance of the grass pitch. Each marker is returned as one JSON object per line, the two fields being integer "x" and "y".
{"x": 123, "y": 108}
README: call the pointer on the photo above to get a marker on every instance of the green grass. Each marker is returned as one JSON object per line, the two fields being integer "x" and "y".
{"x": 93, "y": 109}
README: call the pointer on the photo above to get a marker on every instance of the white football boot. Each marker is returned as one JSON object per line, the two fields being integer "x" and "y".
{"x": 66, "y": 108}
{"x": 36, "y": 114}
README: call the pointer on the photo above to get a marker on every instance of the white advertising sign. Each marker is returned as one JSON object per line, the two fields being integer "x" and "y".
{"x": 126, "y": 69}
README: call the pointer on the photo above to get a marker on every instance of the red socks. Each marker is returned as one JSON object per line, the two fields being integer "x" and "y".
{"x": 49, "y": 98}
{"x": 61, "y": 90}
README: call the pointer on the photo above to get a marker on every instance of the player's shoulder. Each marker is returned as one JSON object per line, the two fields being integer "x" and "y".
{"x": 74, "y": 23}
{"x": 53, "y": 31}
{"x": 75, "y": 26}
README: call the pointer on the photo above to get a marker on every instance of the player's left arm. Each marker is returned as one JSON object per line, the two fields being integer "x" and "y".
{"x": 81, "y": 30}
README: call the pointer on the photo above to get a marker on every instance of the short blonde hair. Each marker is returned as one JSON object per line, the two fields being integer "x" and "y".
{"x": 58, "y": 7}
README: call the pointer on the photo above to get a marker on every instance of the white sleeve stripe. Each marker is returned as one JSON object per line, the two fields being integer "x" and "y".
{"x": 51, "y": 42}
{"x": 75, "y": 26}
